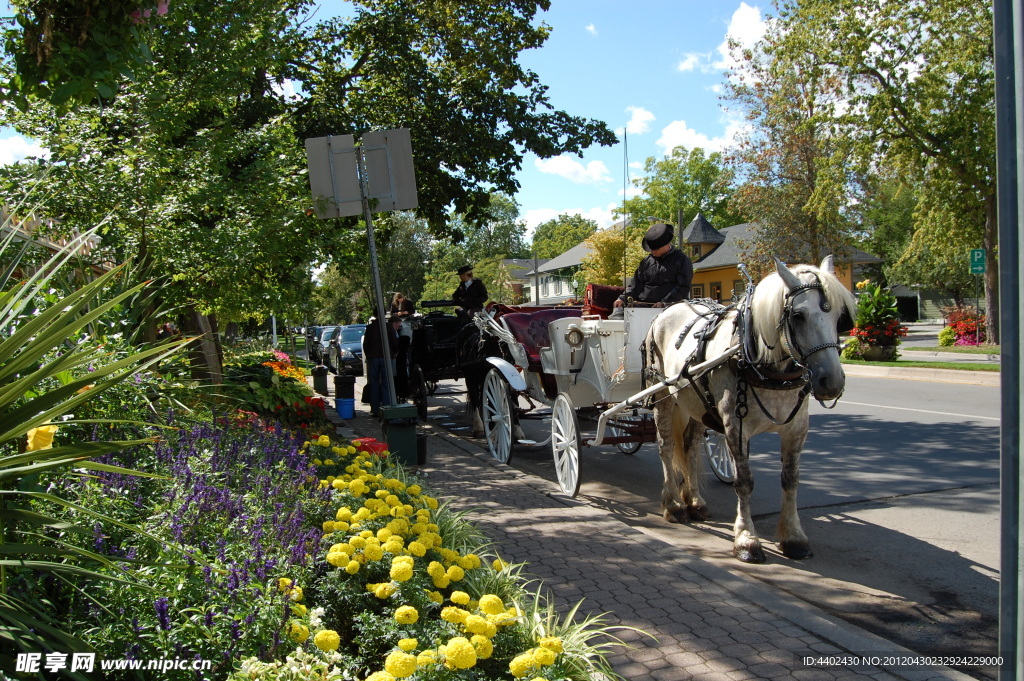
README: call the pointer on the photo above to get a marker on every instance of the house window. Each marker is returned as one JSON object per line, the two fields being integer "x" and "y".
{"x": 544, "y": 287}
{"x": 695, "y": 251}
{"x": 558, "y": 287}
{"x": 738, "y": 287}
{"x": 716, "y": 291}
{"x": 697, "y": 291}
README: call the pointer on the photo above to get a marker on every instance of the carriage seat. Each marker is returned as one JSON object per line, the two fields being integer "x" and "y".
{"x": 599, "y": 299}
{"x": 531, "y": 329}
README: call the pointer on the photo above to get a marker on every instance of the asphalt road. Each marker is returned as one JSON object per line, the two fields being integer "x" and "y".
{"x": 899, "y": 497}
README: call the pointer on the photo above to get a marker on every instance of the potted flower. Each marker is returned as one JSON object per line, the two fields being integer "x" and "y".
{"x": 877, "y": 329}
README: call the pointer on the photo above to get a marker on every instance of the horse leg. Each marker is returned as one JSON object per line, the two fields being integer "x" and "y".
{"x": 745, "y": 546}
{"x": 792, "y": 540}
{"x": 673, "y": 509}
{"x": 692, "y": 436}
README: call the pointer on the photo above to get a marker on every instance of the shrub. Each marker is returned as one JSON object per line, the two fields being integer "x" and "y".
{"x": 878, "y": 320}
{"x": 947, "y": 337}
{"x": 966, "y": 324}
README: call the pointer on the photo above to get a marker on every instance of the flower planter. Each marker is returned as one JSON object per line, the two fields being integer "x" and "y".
{"x": 880, "y": 353}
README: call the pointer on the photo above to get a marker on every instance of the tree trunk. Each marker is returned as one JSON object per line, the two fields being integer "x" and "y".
{"x": 204, "y": 357}
{"x": 991, "y": 271}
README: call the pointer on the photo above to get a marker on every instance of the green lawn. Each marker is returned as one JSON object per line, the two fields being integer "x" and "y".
{"x": 965, "y": 349}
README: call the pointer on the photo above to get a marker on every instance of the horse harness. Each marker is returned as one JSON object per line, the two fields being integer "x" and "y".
{"x": 750, "y": 374}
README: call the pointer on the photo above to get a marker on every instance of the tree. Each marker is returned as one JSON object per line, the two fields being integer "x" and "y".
{"x": 554, "y": 237}
{"x": 921, "y": 92}
{"x": 682, "y": 184}
{"x": 614, "y": 255}
{"x": 796, "y": 160}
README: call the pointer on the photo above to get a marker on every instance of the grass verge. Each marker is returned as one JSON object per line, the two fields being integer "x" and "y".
{"x": 962, "y": 349}
{"x": 908, "y": 364}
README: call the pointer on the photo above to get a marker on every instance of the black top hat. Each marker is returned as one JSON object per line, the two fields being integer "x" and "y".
{"x": 659, "y": 234}
{"x": 465, "y": 268}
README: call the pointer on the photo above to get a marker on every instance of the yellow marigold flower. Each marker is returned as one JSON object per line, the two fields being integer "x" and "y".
{"x": 352, "y": 567}
{"x": 538, "y": 678}
{"x": 499, "y": 565}
{"x": 373, "y": 552}
{"x": 299, "y": 610}
{"x": 295, "y": 593}
{"x": 435, "y": 569}
{"x": 344, "y": 514}
{"x": 406, "y": 614}
{"x": 339, "y": 484}
{"x": 455, "y": 573}
{"x": 521, "y": 665}
{"x": 298, "y": 632}
{"x": 384, "y": 533}
{"x": 459, "y": 653}
{"x": 454, "y": 615}
{"x": 491, "y": 604}
{"x": 390, "y": 499}
{"x": 328, "y": 462}
{"x": 442, "y": 582}
{"x": 469, "y": 562}
{"x": 502, "y": 619}
{"x": 357, "y": 487}
{"x": 327, "y": 640}
{"x": 418, "y": 528}
{"x": 436, "y": 597}
{"x": 475, "y": 624}
{"x": 401, "y": 572}
{"x": 544, "y": 656}
{"x": 394, "y": 545}
{"x": 483, "y": 646}
{"x": 352, "y": 450}
{"x": 362, "y": 514}
{"x": 283, "y": 584}
{"x": 324, "y": 441}
{"x": 380, "y": 676}
{"x": 414, "y": 490}
{"x": 460, "y": 597}
{"x": 400, "y": 664}
{"x": 385, "y": 590}
{"x": 408, "y": 644}
{"x": 317, "y": 462}
{"x": 328, "y": 526}
{"x": 426, "y": 658}
{"x": 340, "y": 526}
{"x": 417, "y": 549}
{"x": 358, "y": 542}
{"x": 551, "y": 643}
{"x": 431, "y": 502}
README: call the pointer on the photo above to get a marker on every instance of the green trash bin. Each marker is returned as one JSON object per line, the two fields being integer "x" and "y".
{"x": 399, "y": 431}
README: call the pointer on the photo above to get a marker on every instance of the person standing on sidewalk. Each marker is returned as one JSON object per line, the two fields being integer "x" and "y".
{"x": 373, "y": 349}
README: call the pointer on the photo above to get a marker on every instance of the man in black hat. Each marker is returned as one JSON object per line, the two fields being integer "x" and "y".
{"x": 664, "y": 276}
{"x": 471, "y": 294}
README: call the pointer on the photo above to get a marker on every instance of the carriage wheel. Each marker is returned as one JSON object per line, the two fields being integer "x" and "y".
{"x": 431, "y": 387}
{"x": 419, "y": 392}
{"x": 496, "y": 411}
{"x": 565, "y": 444}
{"x": 625, "y": 447}
{"x": 718, "y": 456}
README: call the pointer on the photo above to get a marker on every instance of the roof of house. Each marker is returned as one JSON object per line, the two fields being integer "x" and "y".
{"x": 700, "y": 231}
{"x": 739, "y": 238}
{"x": 513, "y": 264}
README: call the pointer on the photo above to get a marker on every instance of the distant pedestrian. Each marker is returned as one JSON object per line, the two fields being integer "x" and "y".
{"x": 373, "y": 349}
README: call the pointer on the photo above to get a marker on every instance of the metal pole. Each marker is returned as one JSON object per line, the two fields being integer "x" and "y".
{"x": 375, "y": 270}
{"x": 1009, "y": 111}
{"x": 273, "y": 330}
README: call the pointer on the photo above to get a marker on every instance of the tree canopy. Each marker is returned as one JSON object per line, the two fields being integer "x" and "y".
{"x": 554, "y": 237}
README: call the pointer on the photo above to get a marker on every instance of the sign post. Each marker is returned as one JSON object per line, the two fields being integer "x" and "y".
{"x": 376, "y": 176}
{"x": 978, "y": 268}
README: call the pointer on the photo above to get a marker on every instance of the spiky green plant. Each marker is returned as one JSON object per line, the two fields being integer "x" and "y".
{"x": 42, "y": 349}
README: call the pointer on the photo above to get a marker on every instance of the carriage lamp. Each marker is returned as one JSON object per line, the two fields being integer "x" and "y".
{"x": 574, "y": 337}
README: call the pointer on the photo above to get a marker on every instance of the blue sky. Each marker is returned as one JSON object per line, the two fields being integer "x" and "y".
{"x": 652, "y": 67}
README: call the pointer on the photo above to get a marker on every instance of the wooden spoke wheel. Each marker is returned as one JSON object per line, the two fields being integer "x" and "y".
{"x": 625, "y": 447}
{"x": 566, "y": 444}
{"x": 419, "y": 391}
{"x": 496, "y": 412}
{"x": 717, "y": 453}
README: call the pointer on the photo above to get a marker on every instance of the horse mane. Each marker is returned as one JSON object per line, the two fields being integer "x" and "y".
{"x": 770, "y": 298}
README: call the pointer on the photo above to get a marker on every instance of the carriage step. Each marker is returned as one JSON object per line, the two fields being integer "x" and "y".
{"x": 526, "y": 442}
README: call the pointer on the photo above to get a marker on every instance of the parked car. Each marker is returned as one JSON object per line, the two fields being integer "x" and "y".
{"x": 322, "y": 344}
{"x": 347, "y": 351}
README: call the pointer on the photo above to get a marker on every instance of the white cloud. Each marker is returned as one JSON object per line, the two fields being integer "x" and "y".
{"x": 690, "y": 62}
{"x": 602, "y": 216}
{"x": 639, "y": 120}
{"x": 564, "y": 166}
{"x": 679, "y": 134}
{"x": 591, "y": 29}
{"x": 15, "y": 148}
{"x": 746, "y": 27}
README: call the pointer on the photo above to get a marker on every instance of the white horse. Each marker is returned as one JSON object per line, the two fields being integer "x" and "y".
{"x": 787, "y": 332}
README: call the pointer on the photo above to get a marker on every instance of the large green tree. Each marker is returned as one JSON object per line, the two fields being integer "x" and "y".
{"x": 795, "y": 161}
{"x": 683, "y": 183}
{"x": 554, "y": 237}
{"x": 920, "y": 91}
{"x": 197, "y": 164}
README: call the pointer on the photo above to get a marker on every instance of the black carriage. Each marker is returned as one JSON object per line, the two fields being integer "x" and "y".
{"x": 434, "y": 349}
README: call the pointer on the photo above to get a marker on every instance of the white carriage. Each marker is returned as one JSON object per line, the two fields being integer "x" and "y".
{"x": 585, "y": 368}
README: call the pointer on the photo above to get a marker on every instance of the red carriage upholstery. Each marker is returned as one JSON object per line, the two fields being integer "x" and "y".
{"x": 531, "y": 329}
{"x": 599, "y": 299}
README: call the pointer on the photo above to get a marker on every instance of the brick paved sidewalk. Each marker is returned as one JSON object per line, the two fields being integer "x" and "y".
{"x": 703, "y": 621}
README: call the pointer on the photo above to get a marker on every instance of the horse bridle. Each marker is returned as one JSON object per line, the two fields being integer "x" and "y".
{"x": 785, "y": 323}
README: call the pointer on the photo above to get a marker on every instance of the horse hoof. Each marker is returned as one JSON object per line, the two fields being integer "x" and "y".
{"x": 796, "y": 550}
{"x": 677, "y": 514}
{"x": 699, "y": 513}
{"x": 753, "y": 554}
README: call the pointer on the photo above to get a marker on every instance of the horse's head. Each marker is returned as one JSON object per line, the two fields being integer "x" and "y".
{"x": 797, "y": 311}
